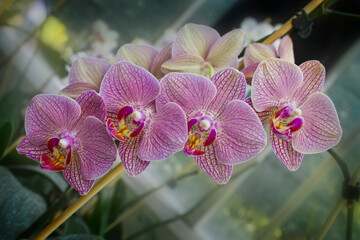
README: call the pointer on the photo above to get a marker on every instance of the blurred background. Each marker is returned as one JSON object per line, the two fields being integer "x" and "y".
{"x": 172, "y": 199}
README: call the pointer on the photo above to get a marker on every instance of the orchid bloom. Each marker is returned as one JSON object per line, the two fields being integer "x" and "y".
{"x": 85, "y": 74}
{"x": 222, "y": 129}
{"x": 145, "y": 56}
{"x": 69, "y": 136}
{"x": 144, "y": 133}
{"x": 257, "y": 52}
{"x": 200, "y": 49}
{"x": 302, "y": 119}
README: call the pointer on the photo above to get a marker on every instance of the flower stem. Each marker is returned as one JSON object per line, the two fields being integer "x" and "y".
{"x": 341, "y": 164}
{"x": 80, "y": 202}
{"x": 344, "y": 14}
{"x": 330, "y": 220}
{"x": 286, "y": 27}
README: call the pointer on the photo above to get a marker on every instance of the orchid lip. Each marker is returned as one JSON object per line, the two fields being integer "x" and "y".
{"x": 201, "y": 133}
{"x": 130, "y": 123}
{"x": 287, "y": 121}
{"x": 57, "y": 148}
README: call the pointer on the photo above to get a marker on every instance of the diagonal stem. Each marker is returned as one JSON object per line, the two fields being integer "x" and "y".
{"x": 80, "y": 202}
{"x": 336, "y": 210}
{"x": 286, "y": 27}
{"x": 341, "y": 164}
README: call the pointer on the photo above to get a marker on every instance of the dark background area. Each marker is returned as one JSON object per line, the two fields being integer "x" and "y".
{"x": 331, "y": 34}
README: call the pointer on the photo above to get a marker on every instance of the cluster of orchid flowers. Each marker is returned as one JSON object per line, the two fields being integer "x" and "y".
{"x": 189, "y": 96}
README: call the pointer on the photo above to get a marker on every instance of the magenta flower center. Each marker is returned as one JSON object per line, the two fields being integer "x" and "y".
{"x": 286, "y": 121}
{"x": 130, "y": 123}
{"x": 60, "y": 154}
{"x": 201, "y": 133}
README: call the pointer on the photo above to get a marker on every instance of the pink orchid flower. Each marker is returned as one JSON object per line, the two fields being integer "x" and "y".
{"x": 145, "y": 56}
{"x": 200, "y": 49}
{"x": 145, "y": 133}
{"x": 257, "y": 52}
{"x": 303, "y": 120}
{"x": 69, "y": 136}
{"x": 85, "y": 74}
{"x": 222, "y": 129}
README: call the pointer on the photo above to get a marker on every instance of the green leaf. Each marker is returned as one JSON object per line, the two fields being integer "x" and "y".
{"x": 76, "y": 225}
{"x": 6, "y": 132}
{"x": 55, "y": 178}
{"x": 19, "y": 207}
{"x": 78, "y": 237}
{"x": 100, "y": 216}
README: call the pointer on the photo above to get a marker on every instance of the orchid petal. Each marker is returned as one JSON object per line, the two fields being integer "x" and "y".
{"x": 286, "y": 50}
{"x": 31, "y": 150}
{"x": 230, "y": 85}
{"x": 285, "y": 152}
{"x": 184, "y": 63}
{"x": 76, "y": 89}
{"x": 165, "y": 135}
{"x": 249, "y": 72}
{"x": 49, "y": 115}
{"x": 127, "y": 84}
{"x": 163, "y": 56}
{"x": 96, "y": 150}
{"x": 221, "y": 173}
{"x": 129, "y": 156}
{"x": 88, "y": 69}
{"x": 321, "y": 129}
{"x": 192, "y": 92}
{"x": 257, "y": 52}
{"x": 138, "y": 54}
{"x": 314, "y": 78}
{"x": 92, "y": 104}
{"x": 240, "y": 136}
{"x": 226, "y": 48}
{"x": 274, "y": 82}
{"x": 194, "y": 39}
{"x": 264, "y": 116}
{"x": 72, "y": 174}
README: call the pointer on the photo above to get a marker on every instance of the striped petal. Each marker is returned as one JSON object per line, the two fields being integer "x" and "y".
{"x": 285, "y": 152}
{"x": 163, "y": 56}
{"x": 49, "y": 115}
{"x": 165, "y": 135}
{"x": 230, "y": 85}
{"x": 240, "y": 136}
{"x": 221, "y": 173}
{"x": 88, "y": 69}
{"x": 72, "y": 174}
{"x": 76, "y": 89}
{"x": 138, "y": 54}
{"x": 249, "y": 72}
{"x": 321, "y": 129}
{"x": 127, "y": 84}
{"x": 226, "y": 48}
{"x": 194, "y": 39}
{"x": 314, "y": 78}
{"x": 274, "y": 82}
{"x": 257, "y": 52}
{"x": 96, "y": 150}
{"x": 264, "y": 116}
{"x": 91, "y": 104}
{"x": 31, "y": 150}
{"x": 192, "y": 92}
{"x": 286, "y": 49}
{"x": 128, "y": 153}
{"x": 185, "y": 63}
